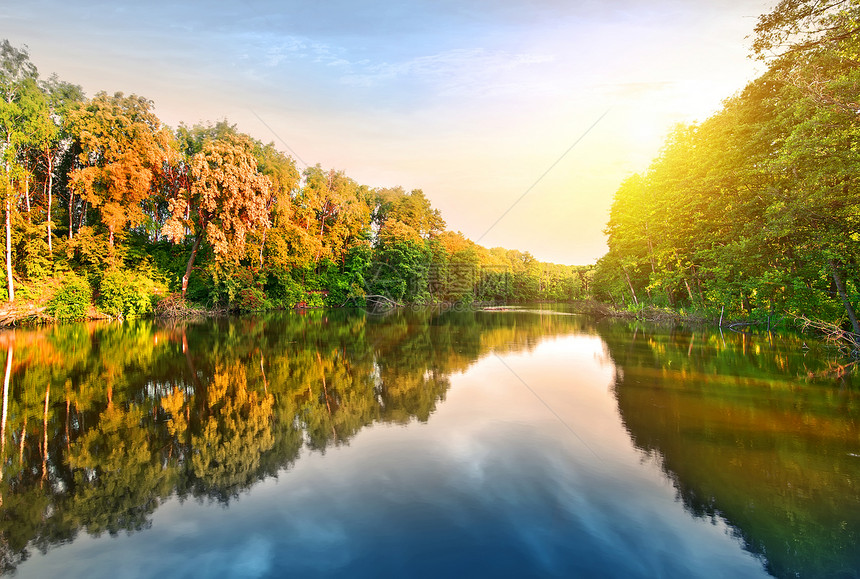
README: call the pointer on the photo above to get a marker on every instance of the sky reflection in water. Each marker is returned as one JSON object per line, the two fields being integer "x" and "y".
{"x": 494, "y": 484}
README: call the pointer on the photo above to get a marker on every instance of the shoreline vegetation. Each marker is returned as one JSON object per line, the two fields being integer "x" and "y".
{"x": 754, "y": 213}
{"x": 175, "y": 307}
{"x": 749, "y": 218}
{"x": 109, "y": 213}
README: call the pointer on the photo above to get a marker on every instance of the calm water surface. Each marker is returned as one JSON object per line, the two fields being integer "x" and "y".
{"x": 529, "y": 443}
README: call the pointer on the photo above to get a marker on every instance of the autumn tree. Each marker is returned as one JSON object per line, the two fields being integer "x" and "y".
{"x": 226, "y": 199}
{"x": 335, "y": 207}
{"x": 281, "y": 171}
{"x": 122, "y": 144}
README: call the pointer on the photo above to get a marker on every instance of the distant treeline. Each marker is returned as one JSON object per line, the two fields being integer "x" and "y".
{"x": 104, "y": 204}
{"x": 757, "y": 209}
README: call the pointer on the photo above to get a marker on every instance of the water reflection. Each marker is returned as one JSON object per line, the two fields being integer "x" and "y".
{"x": 104, "y": 422}
{"x": 525, "y": 470}
{"x": 745, "y": 434}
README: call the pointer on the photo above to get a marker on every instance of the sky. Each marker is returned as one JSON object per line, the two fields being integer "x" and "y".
{"x": 518, "y": 120}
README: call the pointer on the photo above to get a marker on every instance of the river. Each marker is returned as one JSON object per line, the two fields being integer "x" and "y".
{"x": 517, "y": 443}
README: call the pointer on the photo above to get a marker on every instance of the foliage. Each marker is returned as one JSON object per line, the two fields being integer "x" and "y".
{"x": 71, "y": 300}
{"x": 251, "y": 299}
{"x": 755, "y": 210}
{"x": 227, "y": 199}
{"x": 125, "y": 294}
{"x": 121, "y": 144}
{"x": 101, "y": 185}
{"x": 32, "y": 251}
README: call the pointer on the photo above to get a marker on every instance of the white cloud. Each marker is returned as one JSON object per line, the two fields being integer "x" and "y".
{"x": 452, "y": 72}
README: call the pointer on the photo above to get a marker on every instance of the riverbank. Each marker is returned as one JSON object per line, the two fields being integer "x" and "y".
{"x": 647, "y": 314}
{"x": 38, "y": 311}
{"x": 845, "y": 342}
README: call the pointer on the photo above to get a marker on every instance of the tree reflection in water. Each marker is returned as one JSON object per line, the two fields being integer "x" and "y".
{"x": 745, "y": 435}
{"x": 103, "y": 422}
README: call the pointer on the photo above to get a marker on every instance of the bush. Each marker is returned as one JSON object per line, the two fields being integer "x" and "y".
{"x": 33, "y": 251}
{"x": 252, "y": 299}
{"x": 72, "y": 299}
{"x": 314, "y": 300}
{"x": 284, "y": 292}
{"x": 126, "y": 294}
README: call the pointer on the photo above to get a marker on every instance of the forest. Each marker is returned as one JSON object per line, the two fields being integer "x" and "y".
{"x": 108, "y": 212}
{"x": 754, "y": 213}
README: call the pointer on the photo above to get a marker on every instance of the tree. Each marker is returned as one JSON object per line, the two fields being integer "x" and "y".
{"x": 799, "y": 26}
{"x": 227, "y": 198}
{"x": 60, "y": 97}
{"x": 337, "y": 207}
{"x": 122, "y": 145}
{"x": 815, "y": 47}
{"x": 281, "y": 171}
{"x": 412, "y": 209}
{"x": 403, "y": 262}
{"x": 19, "y": 96}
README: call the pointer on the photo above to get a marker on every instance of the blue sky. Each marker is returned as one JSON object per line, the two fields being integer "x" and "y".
{"x": 470, "y": 101}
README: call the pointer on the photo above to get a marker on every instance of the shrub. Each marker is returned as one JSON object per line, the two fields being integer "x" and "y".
{"x": 126, "y": 293}
{"x": 251, "y": 299}
{"x": 314, "y": 300}
{"x": 283, "y": 291}
{"x": 33, "y": 251}
{"x": 72, "y": 299}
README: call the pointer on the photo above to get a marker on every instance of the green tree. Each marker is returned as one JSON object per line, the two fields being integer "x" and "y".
{"x": 20, "y": 104}
{"x": 412, "y": 209}
{"x": 61, "y": 96}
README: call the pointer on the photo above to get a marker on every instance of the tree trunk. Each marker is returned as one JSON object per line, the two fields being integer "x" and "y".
{"x": 27, "y": 194}
{"x": 263, "y": 372}
{"x": 840, "y": 287}
{"x": 632, "y": 292}
{"x": 71, "y": 212}
{"x": 262, "y": 245}
{"x": 68, "y": 440}
{"x": 689, "y": 291}
{"x": 698, "y": 281}
{"x": 9, "y": 225}
{"x": 190, "y": 264}
{"x": 322, "y": 232}
{"x": 22, "y": 442}
{"x": 669, "y": 296}
{"x": 325, "y": 393}
{"x": 745, "y": 303}
{"x": 9, "y": 249}
{"x": 650, "y": 249}
{"x": 45, "y": 435}
{"x": 50, "y": 199}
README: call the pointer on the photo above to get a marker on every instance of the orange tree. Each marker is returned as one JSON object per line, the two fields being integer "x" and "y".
{"x": 226, "y": 199}
{"x": 122, "y": 144}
